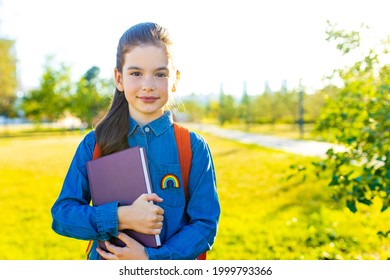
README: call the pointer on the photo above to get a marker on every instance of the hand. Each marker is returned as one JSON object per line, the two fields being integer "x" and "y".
{"x": 142, "y": 216}
{"x": 132, "y": 251}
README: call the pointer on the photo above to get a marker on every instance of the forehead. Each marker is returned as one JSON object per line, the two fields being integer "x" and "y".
{"x": 146, "y": 56}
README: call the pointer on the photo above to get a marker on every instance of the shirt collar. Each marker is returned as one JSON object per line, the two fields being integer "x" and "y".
{"x": 158, "y": 126}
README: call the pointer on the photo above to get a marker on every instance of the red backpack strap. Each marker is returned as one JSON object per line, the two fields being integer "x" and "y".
{"x": 183, "y": 141}
{"x": 96, "y": 154}
{"x": 202, "y": 257}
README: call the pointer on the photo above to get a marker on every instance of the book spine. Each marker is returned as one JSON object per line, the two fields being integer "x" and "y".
{"x": 145, "y": 169}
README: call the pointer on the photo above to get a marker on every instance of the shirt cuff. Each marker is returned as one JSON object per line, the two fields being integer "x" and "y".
{"x": 107, "y": 219}
{"x": 161, "y": 253}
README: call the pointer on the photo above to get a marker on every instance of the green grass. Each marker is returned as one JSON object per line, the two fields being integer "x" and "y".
{"x": 267, "y": 217}
{"x": 264, "y": 216}
{"x": 32, "y": 170}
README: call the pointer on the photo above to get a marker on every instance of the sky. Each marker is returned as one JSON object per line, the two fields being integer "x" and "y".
{"x": 217, "y": 42}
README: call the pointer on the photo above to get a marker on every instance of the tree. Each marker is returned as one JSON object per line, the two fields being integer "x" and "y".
{"x": 49, "y": 101}
{"x": 244, "y": 108}
{"x": 8, "y": 78}
{"x": 262, "y": 109}
{"x": 358, "y": 117}
{"x": 314, "y": 103}
{"x": 226, "y": 108}
{"x": 91, "y": 96}
{"x": 194, "y": 108}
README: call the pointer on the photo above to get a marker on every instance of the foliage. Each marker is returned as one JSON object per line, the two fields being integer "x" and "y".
{"x": 226, "y": 108}
{"x": 263, "y": 215}
{"x": 314, "y": 103}
{"x": 57, "y": 95}
{"x": 8, "y": 80}
{"x": 49, "y": 101}
{"x": 245, "y": 110}
{"x": 345, "y": 41}
{"x": 193, "y": 109}
{"x": 266, "y": 108}
{"x": 92, "y": 96}
{"x": 358, "y": 117}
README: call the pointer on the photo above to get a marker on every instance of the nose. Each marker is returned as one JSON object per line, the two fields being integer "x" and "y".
{"x": 148, "y": 84}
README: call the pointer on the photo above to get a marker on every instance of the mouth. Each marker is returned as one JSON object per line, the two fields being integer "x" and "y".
{"x": 148, "y": 99}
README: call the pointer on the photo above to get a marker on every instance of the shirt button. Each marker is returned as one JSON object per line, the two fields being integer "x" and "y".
{"x": 147, "y": 129}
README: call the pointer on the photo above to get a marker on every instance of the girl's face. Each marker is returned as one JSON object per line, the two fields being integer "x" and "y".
{"x": 146, "y": 79}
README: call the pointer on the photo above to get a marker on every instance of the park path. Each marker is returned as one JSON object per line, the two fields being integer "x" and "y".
{"x": 295, "y": 146}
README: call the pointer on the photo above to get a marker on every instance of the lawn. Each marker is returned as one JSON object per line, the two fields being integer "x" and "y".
{"x": 264, "y": 216}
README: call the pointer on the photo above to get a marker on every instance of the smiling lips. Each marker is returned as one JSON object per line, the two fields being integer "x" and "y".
{"x": 148, "y": 99}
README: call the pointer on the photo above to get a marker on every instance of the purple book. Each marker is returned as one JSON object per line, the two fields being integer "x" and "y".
{"x": 122, "y": 176}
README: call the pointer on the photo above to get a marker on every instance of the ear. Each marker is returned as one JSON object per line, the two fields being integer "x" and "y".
{"x": 118, "y": 80}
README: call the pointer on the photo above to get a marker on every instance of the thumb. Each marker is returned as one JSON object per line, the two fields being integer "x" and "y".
{"x": 153, "y": 197}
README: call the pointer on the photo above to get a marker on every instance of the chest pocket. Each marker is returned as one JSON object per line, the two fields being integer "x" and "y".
{"x": 168, "y": 184}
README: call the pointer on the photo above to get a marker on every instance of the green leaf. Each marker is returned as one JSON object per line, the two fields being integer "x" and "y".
{"x": 371, "y": 138}
{"x": 365, "y": 201}
{"x": 330, "y": 152}
{"x": 351, "y": 206}
{"x": 335, "y": 181}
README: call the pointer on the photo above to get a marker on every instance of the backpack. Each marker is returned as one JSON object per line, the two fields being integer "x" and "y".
{"x": 183, "y": 141}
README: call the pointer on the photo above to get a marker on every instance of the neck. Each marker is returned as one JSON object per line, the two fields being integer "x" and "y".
{"x": 144, "y": 119}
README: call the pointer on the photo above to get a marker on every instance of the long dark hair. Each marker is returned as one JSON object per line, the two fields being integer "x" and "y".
{"x": 111, "y": 132}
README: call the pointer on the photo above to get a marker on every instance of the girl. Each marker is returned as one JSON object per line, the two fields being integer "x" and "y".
{"x": 144, "y": 77}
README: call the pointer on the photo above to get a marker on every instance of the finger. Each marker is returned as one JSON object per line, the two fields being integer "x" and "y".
{"x": 158, "y": 225}
{"x": 114, "y": 250}
{"x": 153, "y": 197}
{"x": 152, "y": 219}
{"x": 159, "y": 218}
{"x": 158, "y": 210}
{"x": 128, "y": 240}
{"x": 156, "y": 219}
{"x": 106, "y": 255}
{"x": 155, "y": 231}
{"x": 125, "y": 238}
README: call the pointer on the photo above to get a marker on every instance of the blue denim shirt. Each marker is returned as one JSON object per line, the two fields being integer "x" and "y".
{"x": 189, "y": 228}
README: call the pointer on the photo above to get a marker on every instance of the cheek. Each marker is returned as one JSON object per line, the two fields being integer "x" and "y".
{"x": 163, "y": 85}
{"x": 131, "y": 84}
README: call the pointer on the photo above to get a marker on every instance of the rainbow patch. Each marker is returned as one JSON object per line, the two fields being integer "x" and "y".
{"x": 170, "y": 181}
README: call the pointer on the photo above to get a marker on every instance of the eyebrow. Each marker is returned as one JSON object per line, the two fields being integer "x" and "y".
{"x": 139, "y": 68}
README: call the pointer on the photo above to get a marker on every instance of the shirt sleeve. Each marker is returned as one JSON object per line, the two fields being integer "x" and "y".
{"x": 203, "y": 209}
{"x": 72, "y": 214}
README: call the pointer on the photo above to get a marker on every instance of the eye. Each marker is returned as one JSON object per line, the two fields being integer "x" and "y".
{"x": 161, "y": 74}
{"x": 136, "y": 74}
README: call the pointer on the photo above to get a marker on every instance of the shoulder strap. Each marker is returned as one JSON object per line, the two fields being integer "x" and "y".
{"x": 96, "y": 152}
{"x": 183, "y": 141}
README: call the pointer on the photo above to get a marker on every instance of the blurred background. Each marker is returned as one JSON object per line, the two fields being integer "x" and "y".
{"x": 302, "y": 70}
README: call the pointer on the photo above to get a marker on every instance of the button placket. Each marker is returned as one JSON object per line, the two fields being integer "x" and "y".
{"x": 141, "y": 138}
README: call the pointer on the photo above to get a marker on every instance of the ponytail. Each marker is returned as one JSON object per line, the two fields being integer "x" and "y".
{"x": 111, "y": 132}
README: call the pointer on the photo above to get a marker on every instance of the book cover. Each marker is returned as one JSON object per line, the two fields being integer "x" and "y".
{"x": 122, "y": 176}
